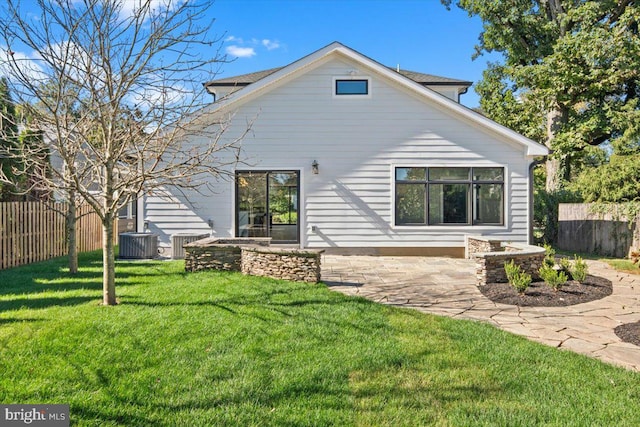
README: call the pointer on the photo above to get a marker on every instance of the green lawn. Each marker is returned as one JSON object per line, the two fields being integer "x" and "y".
{"x": 204, "y": 349}
{"x": 621, "y": 264}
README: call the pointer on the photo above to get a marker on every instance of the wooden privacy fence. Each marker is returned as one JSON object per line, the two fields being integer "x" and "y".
{"x": 581, "y": 230}
{"x": 34, "y": 231}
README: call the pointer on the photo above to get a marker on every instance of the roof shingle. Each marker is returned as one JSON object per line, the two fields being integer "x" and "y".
{"x": 422, "y": 78}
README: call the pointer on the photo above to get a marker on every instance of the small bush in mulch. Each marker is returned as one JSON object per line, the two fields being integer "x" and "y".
{"x": 539, "y": 294}
{"x": 517, "y": 278}
{"x": 629, "y": 332}
{"x": 552, "y": 277}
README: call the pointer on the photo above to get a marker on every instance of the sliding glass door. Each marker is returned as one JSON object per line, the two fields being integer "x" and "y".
{"x": 267, "y": 205}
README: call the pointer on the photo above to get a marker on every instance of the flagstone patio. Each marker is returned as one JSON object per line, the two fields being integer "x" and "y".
{"x": 447, "y": 287}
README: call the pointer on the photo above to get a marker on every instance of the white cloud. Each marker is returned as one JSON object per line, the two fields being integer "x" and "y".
{"x": 158, "y": 96}
{"x": 246, "y": 48}
{"x": 129, "y": 7}
{"x": 270, "y": 44}
{"x": 241, "y": 52}
{"x": 14, "y": 64}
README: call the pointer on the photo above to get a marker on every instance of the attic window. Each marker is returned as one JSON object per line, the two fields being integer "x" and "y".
{"x": 352, "y": 87}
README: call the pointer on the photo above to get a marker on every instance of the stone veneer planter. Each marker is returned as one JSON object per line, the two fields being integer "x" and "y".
{"x": 218, "y": 254}
{"x": 491, "y": 255}
{"x": 298, "y": 265}
{"x": 253, "y": 256}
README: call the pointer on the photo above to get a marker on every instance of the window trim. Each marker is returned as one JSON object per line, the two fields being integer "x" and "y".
{"x": 470, "y": 182}
{"x": 334, "y": 87}
{"x": 130, "y": 209}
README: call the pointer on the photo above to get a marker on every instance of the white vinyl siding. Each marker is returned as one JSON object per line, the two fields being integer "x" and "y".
{"x": 167, "y": 215}
{"x": 357, "y": 144}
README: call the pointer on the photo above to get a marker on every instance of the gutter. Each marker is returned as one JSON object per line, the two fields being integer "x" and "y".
{"x": 536, "y": 162}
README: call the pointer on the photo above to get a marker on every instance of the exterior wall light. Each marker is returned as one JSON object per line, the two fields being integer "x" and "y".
{"x": 314, "y": 167}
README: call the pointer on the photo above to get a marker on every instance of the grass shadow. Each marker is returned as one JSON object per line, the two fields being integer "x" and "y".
{"x": 53, "y": 275}
{"x": 37, "y": 303}
{"x": 90, "y": 414}
{"x": 19, "y": 320}
{"x": 212, "y": 304}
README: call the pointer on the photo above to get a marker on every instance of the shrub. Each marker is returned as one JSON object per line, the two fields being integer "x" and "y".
{"x": 519, "y": 279}
{"x": 566, "y": 266}
{"x": 553, "y": 277}
{"x": 580, "y": 269}
{"x": 549, "y": 255}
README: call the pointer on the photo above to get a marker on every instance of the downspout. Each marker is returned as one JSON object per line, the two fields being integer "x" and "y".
{"x": 533, "y": 164}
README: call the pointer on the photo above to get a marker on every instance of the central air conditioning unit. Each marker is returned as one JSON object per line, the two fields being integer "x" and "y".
{"x": 178, "y": 240}
{"x": 138, "y": 245}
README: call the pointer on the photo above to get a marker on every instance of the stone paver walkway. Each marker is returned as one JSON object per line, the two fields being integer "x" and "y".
{"x": 446, "y": 286}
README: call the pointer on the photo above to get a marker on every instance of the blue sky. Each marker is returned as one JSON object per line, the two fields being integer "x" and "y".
{"x": 420, "y": 35}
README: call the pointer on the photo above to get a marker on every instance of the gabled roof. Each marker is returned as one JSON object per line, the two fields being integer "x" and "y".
{"x": 422, "y": 78}
{"x": 275, "y": 77}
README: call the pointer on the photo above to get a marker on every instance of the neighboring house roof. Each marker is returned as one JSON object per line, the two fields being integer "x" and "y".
{"x": 242, "y": 80}
{"x": 422, "y": 78}
{"x": 269, "y": 79}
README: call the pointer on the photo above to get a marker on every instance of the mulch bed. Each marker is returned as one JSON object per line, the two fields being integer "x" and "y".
{"x": 629, "y": 332}
{"x": 538, "y": 294}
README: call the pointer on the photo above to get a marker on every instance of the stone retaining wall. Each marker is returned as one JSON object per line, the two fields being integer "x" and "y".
{"x": 253, "y": 256}
{"x": 298, "y": 265}
{"x": 490, "y": 264}
{"x": 218, "y": 254}
{"x": 476, "y": 244}
{"x": 218, "y": 257}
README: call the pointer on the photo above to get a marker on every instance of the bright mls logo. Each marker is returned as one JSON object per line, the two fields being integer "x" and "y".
{"x": 34, "y": 415}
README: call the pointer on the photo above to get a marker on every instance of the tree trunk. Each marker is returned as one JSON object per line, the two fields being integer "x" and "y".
{"x": 554, "y": 175}
{"x": 108, "y": 262}
{"x": 72, "y": 241}
{"x": 554, "y": 165}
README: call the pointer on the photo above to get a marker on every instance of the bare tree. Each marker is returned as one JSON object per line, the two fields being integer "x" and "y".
{"x": 27, "y": 180}
{"x": 115, "y": 85}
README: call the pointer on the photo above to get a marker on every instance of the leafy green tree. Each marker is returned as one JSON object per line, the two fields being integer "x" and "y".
{"x": 19, "y": 179}
{"x": 8, "y": 141}
{"x": 614, "y": 182}
{"x": 569, "y": 77}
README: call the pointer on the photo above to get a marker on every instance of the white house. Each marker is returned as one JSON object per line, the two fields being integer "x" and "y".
{"x": 349, "y": 155}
